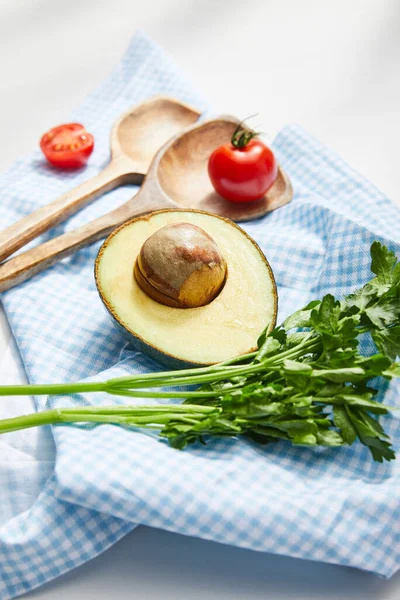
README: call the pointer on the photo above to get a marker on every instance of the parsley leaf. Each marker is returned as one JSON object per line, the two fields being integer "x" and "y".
{"x": 383, "y": 265}
{"x": 383, "y": 312}
{"x": 388, "y": 341}
{"x": 344, "y": 424}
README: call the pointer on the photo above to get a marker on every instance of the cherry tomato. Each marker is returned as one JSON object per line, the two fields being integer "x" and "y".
{"x": 244, "y": 170}
{"x": 67, "y": 146}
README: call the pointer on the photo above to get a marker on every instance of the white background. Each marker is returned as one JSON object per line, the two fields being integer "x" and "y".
{"x": 332, "y": 67}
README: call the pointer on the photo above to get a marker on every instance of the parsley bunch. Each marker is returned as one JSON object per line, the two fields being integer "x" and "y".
{"x": 308, "y": 383}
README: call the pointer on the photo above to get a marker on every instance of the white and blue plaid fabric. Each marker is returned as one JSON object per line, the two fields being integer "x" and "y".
{"x": 332, "y": 505}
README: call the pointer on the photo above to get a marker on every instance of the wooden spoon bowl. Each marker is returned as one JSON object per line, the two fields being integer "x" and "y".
{"x": 141, "y": 132}
{"x": 183, "y": 175}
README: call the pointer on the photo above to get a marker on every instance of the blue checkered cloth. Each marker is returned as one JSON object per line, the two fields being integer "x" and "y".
{"x": 332, "y": 505}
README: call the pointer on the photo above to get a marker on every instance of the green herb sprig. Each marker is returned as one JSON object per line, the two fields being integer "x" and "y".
{"x": 307, "y": 383}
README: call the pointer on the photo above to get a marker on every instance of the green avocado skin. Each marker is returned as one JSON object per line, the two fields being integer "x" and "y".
{"x": 170, "y": 362}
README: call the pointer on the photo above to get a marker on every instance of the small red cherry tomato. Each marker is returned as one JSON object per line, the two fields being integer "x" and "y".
{"x": 67, "y": 146}
{"x": 244, "y": 170}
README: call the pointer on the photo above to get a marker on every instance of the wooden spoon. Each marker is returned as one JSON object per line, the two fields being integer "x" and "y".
{"x": 135, "y": 138}
{"x": 177, "y": 178}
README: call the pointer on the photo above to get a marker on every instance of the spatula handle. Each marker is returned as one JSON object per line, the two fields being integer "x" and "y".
{"x": 26, "y": 229}
{"x": 25, "y": 265}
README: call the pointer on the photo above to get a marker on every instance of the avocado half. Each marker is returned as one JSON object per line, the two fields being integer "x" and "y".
{"x": 227, "y": 327}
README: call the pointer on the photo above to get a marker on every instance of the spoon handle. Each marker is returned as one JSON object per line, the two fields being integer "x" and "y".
{"x": 31, "y": 262}
{"x": 15, "y": 236}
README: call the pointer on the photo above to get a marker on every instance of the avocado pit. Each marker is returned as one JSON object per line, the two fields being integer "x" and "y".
{"x": 180, "y": 265}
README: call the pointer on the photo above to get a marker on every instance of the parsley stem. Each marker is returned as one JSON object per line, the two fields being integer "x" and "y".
{"x": 51, "y": 388}
{"x": 142, "y": 416}
{"x": 125, "y": 386}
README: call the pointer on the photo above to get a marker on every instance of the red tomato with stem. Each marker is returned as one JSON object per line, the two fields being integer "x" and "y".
{"x": 244, "y": 170}
{"x": 67, "y": 146}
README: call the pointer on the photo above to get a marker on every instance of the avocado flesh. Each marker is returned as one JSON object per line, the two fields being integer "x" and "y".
{"x": 227, "y": 327}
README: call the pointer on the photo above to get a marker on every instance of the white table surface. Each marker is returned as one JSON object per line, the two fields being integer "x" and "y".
{"x": 333, "y": 67}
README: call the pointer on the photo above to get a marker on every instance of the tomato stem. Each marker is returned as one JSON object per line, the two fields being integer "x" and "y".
{"x": 241, "y": 136}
